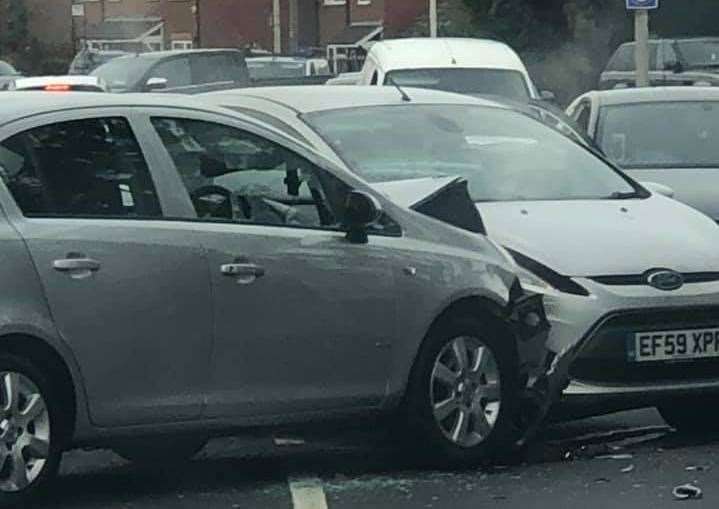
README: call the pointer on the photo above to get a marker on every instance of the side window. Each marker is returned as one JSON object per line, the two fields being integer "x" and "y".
{"x": 176, "y": 71}
{"x": 623, "y": 59}
{"x": 582, "y": 115}
{"x": 88, "y": 168}
{"x": 215, "y": 68}
{"x": 233, "y": 175}
{"x": 654, "y": 56}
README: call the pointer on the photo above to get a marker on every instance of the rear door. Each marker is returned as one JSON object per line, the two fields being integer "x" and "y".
{"x": 128, "y": 291}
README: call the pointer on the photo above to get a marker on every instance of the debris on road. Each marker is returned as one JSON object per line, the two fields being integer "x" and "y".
{"x": 628, "y": 469}
{"x": 614, "y": 457}
{"x": 697, "y": 468}
{"x": 687, "y": 492}
{"x": 288, "y": 441}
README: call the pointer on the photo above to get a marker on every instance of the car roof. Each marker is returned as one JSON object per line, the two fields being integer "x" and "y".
{"x": 679, "y": 39}
{"x": 16, "y": 105}
{"x": 654, "y": 94}
{"x": 310, "y": 98}
{"x": 158, "y": 55}
{"x": 445, "y": 52}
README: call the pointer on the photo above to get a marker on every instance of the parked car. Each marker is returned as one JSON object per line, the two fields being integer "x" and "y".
{"x": 672, "y": 62}
{"x": 7, "y": 74}
{"x": 58, "y": 84}
{"x": 144, "y": 235}
{"x": 88, "y": 60}
{"x": 278, "y": 67}
{"x": 467, "y": 66}
{"x": 186, "y": 72}
{"x": 345, "y": 78}
{"x": 630, "y": 277}
{"x": 666, "y": 135}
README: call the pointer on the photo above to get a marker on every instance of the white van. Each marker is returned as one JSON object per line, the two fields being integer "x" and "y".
{"x": 467, "y": 66}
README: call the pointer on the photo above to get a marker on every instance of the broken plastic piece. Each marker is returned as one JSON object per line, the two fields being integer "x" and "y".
{"x": 614, "y": 457}
{"x": 687, "y": 492}
{"x": 627, "y": 469}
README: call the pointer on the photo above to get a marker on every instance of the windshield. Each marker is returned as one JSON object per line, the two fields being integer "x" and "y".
{"x": 121, "y": 74}
{"x": 699, "y": 53}
{"x": 264, "y": 70}
{"x": 504, "y": 155}
{"x": 661, "y": 135}
{"x": 6, "y": 69}
{"x": 501, "y": 82}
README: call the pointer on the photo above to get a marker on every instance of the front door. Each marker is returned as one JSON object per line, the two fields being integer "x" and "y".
{"x": 304, "y": 320}
{"x": 128, "y": 292}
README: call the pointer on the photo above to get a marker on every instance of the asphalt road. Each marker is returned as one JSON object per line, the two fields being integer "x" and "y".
{"x": 565, "y": 467}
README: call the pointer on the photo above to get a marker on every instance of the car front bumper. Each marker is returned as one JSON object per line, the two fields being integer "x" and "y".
{"x": 590, "y": 334}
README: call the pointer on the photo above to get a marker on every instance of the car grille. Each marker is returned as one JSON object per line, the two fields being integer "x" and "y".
{"x": 641, "y": 279}
{"x": 603, "y": 357}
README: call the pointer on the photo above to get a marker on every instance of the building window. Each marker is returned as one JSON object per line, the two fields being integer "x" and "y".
{"x": 334, "y": 2}
{"x": 364, "y": 2}
{"x": 182, "y": 45}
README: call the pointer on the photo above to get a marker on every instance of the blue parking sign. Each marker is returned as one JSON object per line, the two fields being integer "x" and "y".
{"x": 642, "y": 4}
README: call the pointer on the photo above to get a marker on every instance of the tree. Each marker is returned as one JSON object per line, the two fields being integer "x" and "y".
{"x": 14, "y": 35}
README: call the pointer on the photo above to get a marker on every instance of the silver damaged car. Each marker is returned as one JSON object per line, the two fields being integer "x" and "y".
{"x": 172, "y": 269}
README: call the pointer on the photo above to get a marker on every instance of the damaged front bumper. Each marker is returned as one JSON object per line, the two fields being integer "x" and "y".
{"x": 544, "y": 374}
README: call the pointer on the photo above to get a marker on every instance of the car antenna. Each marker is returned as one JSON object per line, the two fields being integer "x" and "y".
{"x": 404, "y": 95}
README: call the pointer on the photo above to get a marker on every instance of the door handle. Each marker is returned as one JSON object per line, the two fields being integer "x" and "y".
{"x": 76, "y": 264}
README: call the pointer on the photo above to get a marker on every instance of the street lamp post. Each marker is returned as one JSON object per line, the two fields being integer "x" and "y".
{"x": 433, "y": 18}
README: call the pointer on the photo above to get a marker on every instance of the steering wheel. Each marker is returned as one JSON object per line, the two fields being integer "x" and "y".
{"x": 207, "y": 206}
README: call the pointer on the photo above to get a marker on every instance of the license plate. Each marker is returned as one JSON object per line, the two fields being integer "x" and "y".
{"x": 674, "y": 345}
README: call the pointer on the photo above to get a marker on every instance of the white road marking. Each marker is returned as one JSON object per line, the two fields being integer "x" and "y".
{"x": 307, "y": 493}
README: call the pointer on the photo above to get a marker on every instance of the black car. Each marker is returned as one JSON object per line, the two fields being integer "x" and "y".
{"x": 672, "y": 62}
{"x": 185, "y": 72}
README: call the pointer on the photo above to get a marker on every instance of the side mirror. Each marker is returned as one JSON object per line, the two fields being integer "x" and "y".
{"x": 547, "y": 95}
{"x": 156, "y": 84}
{"x": 361, "y": 211}
{"x": 659, "y": 189}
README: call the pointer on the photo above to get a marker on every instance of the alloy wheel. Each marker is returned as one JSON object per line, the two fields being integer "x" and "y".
{"x": 465, "y": 391}
{"x": 24, "y": 432}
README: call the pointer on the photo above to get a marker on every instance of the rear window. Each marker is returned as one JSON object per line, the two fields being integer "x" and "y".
{"x": 122, "y": 74}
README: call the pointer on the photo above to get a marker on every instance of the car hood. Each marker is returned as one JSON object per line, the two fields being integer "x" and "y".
{"x": 589, "y": 237}
{"x": 606, "y": 237}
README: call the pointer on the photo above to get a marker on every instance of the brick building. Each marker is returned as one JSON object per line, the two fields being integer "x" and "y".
{"x": 139, "y": 25}
{"x": 303, "y": 24}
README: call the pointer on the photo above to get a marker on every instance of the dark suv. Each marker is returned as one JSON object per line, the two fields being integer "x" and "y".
{"x": 672, "y": 62}
{"x": 187, "y": 72}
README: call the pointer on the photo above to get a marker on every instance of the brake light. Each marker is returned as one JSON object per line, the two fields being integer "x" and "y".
{"x": 57, "y": 88}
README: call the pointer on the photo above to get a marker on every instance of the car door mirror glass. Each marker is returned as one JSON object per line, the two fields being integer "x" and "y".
{"x": 361, "y": 211}
{"x": 156, "y": 84}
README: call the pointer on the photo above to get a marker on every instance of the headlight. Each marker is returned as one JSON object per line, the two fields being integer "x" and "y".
{"x": 539, "y": 278}
{"x": 531, "y": 281}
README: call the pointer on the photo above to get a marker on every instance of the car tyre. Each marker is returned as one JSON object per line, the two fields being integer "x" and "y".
{"x": 692, "y": 415}
{"x": 160, "y": 450}
{"x": 30, "y": 431}
{"x": 463, "y": 394}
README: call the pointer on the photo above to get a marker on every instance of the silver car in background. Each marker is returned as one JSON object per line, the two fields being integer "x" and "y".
{"x": 176, "y": 271}
{"x": 630, "y": 277}
{"x": 669, "y": 136}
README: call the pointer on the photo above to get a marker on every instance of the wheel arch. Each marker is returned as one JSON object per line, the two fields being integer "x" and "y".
{"x": 474, "y": 306}
{"x": 48, "y": 359}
